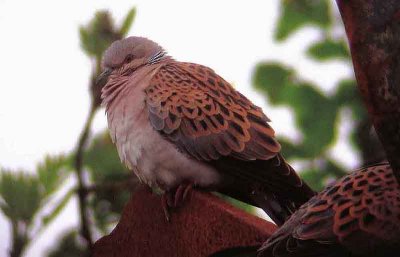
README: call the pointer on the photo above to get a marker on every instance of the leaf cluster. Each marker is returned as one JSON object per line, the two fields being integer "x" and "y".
{"x": 24, "y": 197}
{"x": 316, "y": 114}
{"x": 32, "y": 200}
{"x": 101, "y": 32}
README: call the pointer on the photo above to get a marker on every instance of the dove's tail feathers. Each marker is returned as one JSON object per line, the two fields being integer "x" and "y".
{"x": 272, "y": 185}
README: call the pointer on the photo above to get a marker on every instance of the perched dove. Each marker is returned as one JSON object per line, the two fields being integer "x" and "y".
{"x": 179, "y": 124}
{"x": 357, "y": 216}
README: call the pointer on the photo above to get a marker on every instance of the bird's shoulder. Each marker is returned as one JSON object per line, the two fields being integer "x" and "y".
{"x": 198, "y": 80}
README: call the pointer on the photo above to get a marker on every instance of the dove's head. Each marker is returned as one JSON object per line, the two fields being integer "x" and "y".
{"x": 132, "y": 50}
{"x": 127, "y": 55}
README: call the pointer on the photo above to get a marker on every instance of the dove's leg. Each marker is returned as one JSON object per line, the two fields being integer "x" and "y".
{"x": 166, "y": 201}
{"x": 181, "y": 193}
{"x": 174, "y": 198}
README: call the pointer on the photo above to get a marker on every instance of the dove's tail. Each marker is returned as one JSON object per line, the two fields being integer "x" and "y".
{"x": 272, "y": 185}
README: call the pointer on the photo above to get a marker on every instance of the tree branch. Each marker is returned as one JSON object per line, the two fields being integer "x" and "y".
{"x": 85, "y": 229}
{"x": 20, "y": 239}
{"x": 373, "y": 29}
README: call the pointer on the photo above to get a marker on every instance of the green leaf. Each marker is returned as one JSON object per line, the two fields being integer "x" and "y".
{"x": 347, "y": 94}
{"x": 104, "y": 165}
{"x": 52, "y": 172}
{"x": 102, "y": 158}
{"x": 271, "y": 79}
{"x": 69, "y": 245}
{"x": 239, "y": 204}
{"x": 315, "y": 113}
{"x": 127, "y": 23}
{"x": 97, "y": 36}
{"x": 86, "y": 42}
{"x": 20, "y": 194}
{"x": 334, "y": 169}
{"x": 107, "y": 205}
{"x": 101, "y": 31}
{"x": 297, "y": 13}
{"x": 59, "y": 207}
{"x": 361, "y": 137}
{"x": 329, "y": 49}
{"x": 291, "y": 150}
{"x": 314, "y": 178}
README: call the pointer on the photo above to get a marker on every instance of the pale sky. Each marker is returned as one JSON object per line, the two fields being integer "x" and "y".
{"x": 44, "y": 73}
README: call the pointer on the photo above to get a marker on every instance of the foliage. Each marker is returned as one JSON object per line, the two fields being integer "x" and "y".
{"x": 21, "y": 196}
{"x": 329, "y": 49}
{"x": 302, "y": 97}
{"x": 31, "y": 201}
{"x": 101, "y": 32}
{"x": 104, "y": 165}
{"x": 297, "y": 13}
{"x": 316, "y": 114}
{"x": 68, "y": 246}
{"x": 96, "y": 37}
{"x": 25, "y": 196}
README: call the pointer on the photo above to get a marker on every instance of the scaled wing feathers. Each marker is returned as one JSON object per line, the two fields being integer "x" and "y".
{"x": 359, "y": 213}
{"x": 205, "y": 117}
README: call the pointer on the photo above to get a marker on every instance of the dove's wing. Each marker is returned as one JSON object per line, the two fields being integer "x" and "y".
{"x": 207, "y": 119}
{"x": 360, "y": 212}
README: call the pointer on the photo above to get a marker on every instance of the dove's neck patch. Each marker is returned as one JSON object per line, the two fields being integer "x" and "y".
{"x": 157, "y": 57}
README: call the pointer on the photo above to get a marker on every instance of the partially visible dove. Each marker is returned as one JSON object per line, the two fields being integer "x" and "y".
{"x": 178, "y": 124}
{"x": 358, "y": 216}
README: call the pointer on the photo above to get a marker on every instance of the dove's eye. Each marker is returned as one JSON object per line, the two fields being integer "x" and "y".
{"x": 129, "y": 58}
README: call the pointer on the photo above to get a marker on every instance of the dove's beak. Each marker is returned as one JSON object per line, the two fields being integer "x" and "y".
{"x": 103, "y": 77}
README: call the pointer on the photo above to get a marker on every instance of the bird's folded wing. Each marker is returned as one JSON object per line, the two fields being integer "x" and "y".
{"x": 206, "y": 117}
{"x": 362, "y": 205}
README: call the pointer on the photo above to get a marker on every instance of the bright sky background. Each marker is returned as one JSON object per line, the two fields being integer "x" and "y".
{"x": 44, "y": 74}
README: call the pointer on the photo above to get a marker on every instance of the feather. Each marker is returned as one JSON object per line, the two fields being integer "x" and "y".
{"x": 222, "y": 127}
{"x": 349, "y": 218}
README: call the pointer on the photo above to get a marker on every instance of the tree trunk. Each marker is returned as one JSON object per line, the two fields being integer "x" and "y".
{"x": 373, "y": 30}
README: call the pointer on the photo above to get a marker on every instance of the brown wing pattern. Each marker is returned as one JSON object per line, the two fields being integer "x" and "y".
{"x": 360, "y": 214}
{"x": 193, "y": 106}
{"x": 206, "y": 118}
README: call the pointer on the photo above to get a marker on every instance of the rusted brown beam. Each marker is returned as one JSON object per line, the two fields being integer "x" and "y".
{"x": 203, "y": 226}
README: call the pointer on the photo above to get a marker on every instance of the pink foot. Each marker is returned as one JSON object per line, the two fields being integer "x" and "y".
{"x": 174, "y": 198}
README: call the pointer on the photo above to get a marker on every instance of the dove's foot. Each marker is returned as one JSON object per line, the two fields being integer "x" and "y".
{"x": 174, "y": 198}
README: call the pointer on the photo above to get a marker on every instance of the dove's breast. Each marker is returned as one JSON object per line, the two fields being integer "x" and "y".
{"x": 158, "y": 161}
